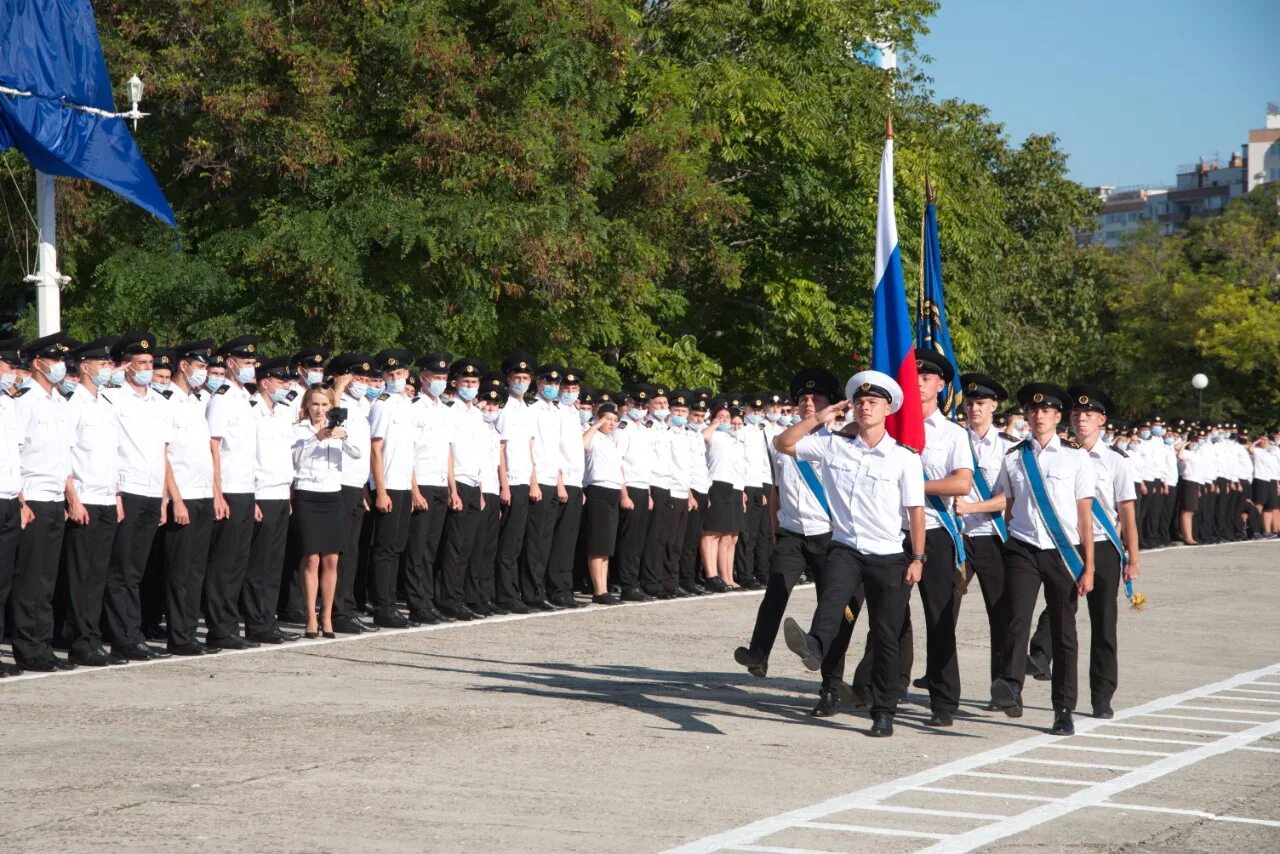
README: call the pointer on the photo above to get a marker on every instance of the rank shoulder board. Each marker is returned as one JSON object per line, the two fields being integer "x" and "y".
{"x": 291, "y": 395}
{"x": 1017, "y": 446}
{"x": 168, "y": 393}
{"x": 384, "y": 396}
{"x": 222, "y": 389}
{"x": 1118, "y": 451}
{"x": 253, "y": 402}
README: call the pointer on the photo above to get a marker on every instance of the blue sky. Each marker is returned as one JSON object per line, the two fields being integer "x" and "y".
{"x": 1132, "y": 88}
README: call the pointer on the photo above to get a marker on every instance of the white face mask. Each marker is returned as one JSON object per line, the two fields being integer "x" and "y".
{"x": 490, "y": 416}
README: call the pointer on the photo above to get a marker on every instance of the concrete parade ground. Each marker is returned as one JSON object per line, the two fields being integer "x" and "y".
{"x": 631, "y": 729}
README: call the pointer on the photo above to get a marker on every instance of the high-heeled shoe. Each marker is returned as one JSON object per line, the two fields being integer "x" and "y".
{"x": 311, "y": 635}
{"x": 329, "y": 635}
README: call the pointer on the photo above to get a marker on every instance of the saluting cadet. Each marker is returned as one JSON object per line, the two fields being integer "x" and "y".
{"x": 189, "y": 489}
{"x": 45, "y": 430}
{"x": 432, "y": 463}
{"x": 547, "y": 495}
{"x": 468, "y": 453}
{"x": 1049, "y": 486}
{"x": 234, "y": 446}
{"x": 273, "y": 475}
{"x": 634, "y": 503}
{"x": 691, "y": 575}
{"x": 726, "y": 501}
{"x": 11, "y": 509}
{"x": 871, "y": 481}
{"x": 145, "y": 427}
{"x": 564, "y": 542}
{"x": 980, "y": 511}
{"x": 394, "y": 431}
{"x": 354, "y": 381}
{"x": 804, "y": 538}
{"x": 517, "y": 482}
{"x": 482, "y": 559}
{"x": 93, "y": 505}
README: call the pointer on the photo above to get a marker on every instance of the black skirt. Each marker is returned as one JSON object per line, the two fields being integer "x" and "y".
{"x": 725, "y": 515}
{"x": 1264, "y": 494}
{"x": 1188, "y": 496}
{"x": 601, "y": 520}
{"x": 319, "y": 524}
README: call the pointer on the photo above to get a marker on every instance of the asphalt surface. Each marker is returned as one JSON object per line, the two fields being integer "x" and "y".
{"x": 631, "y": 729}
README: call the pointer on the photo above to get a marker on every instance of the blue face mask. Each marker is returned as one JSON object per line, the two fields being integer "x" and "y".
{"x": 550, "y": 392}
{"x": 394, "y": 386}
{"x": 215, "y": 383}
{"x": 245, "y": 374}
{"x": 280, "y": 395}
{"x": 67, "y": 386}
{"x": 520, "y": 388}
{"x": 569, "y": 397}
{"x": 57, "y": 371}
{"x": 162, "y": 387}
{"x": 117, "y": 377}
{"x": 1157, "y": 431}
{"x": 102, "y": 377}
{"x": 372, "y": 392}
{"x": 1168, "y": 440}
{"x": 7, "y": 381}
{"x": 142, "y": 377}
{"x": 679, "y": 420}
{"x": 197, "y": 378}
{"x": 1146, "y": 434}
{"x": 754, "y": 419}
{"x": 724, "y": 427}
{"x": 315, "y": 377}
{"x": 775, "y": 417}
{"x": 468, "y": 394}
{"x": 660, "y": 414}
{"x": 435, "y": 388}
{"x": 584, "y": 415}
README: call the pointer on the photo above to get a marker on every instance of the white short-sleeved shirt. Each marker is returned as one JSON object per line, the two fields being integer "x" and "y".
{"x": 470, "y": 440}
{"x": 394, "y": 421}
{"x": 1113, "y": 478}
{"x": 47, "y": 434}
{"x": 95, "y": 460}
{"x": 1266, "y": 465}
{"x": 604, "y": 462}
{"x": 990, "y": 450}
{"x": 145, "y": 423}
{"x": 231, "y": 421}
{"x": 273, "y": 470}
{"x": 573, "y": 459}
{"x": 946, "y": 450}
{"x": 435, "y": 435}
{"x": 11, "y": 436}
{"x": 189, "y": 454}
{"x": 355, "y": 470}
{"x": 548, "y": 427}
{"x": 490, "y": 484}
{"x": 1068, "y": 478}
{"x": 869, "y": 488}
{"x": 726, "y": 458}
{"x": 696, "y": 455}
{"x": 516, "y": 427}
{"x": 636, "y": 444}
{"x": 798, "y": 509}
{"x": 318, "y": 464}
{"x": 757, "y": 444}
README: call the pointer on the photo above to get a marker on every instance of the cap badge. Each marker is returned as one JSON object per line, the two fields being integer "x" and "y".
{"x": 1084, "y": 398}
{"x": 248, "y": 348}
{"x": 391, "y": 361}
{"x": 973, "y": 386}
{"x": 866, "y": 386}
{"x": 144, "y": 344}
{"x": 364, "y": 366}
{"x": 1037, "y": 398}
{"x": 809, "y": 384}
{"x": 919, "y": 363}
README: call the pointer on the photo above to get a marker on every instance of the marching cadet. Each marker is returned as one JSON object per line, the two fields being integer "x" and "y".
{"x": 432, "y": 464}
{"x": 94, "y": 507}
{"x": 635, "y": 503}
{"x": 234, "y": 446}
{"x": 189, "y": 488}
{"x": 982, "y": 514}
{"x": 870, "y": 481}
{"x": 354, "y": 381}
{"x": 691, "y": 575}
{"x": 804, "y": 538}
{"x": 45, "y": 430}
{"x": 564, "y": 542}
{"x": 467, "y": 456}
{"x": 11, "y": 508}
{"x": 393, "y": 436}
{"x": 273, "y": 474}
{"x": 145, "y": 428}
{"x": 517, "y": 480}
{"x": 1049, "y": 486}
{"x": 661, "y": 507}
{"x": 547, "y": 495}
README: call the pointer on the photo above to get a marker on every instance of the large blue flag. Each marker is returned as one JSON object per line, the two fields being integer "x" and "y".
{"x": 932, "y": 332}
{"x": 56, "y": 106}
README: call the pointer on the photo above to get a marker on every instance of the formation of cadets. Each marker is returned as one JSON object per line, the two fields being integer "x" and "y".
{"x": 144, "y": 490}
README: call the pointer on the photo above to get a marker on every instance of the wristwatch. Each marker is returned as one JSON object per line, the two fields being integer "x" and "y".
{"x": 917, "y": 557}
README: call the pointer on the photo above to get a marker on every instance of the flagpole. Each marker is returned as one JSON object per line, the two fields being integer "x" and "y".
{"x": 48, "y": 280}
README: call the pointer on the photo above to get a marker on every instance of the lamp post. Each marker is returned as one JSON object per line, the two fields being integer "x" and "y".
{"x": 1199, "y": 382}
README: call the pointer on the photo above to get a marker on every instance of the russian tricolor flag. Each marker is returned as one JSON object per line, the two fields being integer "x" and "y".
{"x": 892, "y": 347}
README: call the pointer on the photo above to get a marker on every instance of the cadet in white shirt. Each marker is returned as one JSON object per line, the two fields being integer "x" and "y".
{"x": 354, "y": 380}
{"x": 544, "y": 512}
{"x": 11, "y": 508}
{"x": 1266, "y": 473}
{"x": 752, "y": 557}
{"x": 234, "y": 445}
{"x": 692, "y": 577}
{"x": 871, "y": 481}
{"x": 679, "y": 482}
{"x": 564, "y": 543}
{"x": 1031, "y": 557}
{"x": 482, "y": 561}
{"x": 468, "y": 453}
{"x": 145, "y": 427}
{"x": 423, "y": 556}
{"x": 726, "y": 500}
{"x": 635, "y": 504}
{"x": 517, "y": 480}
{"x": 394, "y": 429}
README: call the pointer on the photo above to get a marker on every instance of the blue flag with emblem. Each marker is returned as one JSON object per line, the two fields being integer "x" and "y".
{"x": 1040, "y": 498}
{"x": 1113, "y": 537}
{"x": 984, "y": 492}
{"x": 932, "y": 332}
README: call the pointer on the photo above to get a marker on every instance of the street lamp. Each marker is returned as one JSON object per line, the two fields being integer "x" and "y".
{"x": 135, "y": 97}
{"x": 1199, "y": 382}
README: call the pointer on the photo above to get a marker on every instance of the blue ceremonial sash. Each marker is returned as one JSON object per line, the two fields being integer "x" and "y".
{"x": 948, "y": 523}
{"x": 811, "y": 479}
{"x": 1040, "y": 498}
{"x": 1113, "y": 536}
{"x": 984, "y": 492}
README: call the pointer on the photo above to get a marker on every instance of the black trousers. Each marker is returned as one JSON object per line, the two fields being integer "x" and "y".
{"x": 229, "y": 544}
{"x": 564, "y": 544}
{"x": 511, "y": 530}
{"x": 10, "y": 530}
{"x": 675, "y": 543}
{"x": 653, "y": 562}
{"x": 484, "y": 551}
{"x": 763, "y": 560}
{"x": 540, "y": 529}
{"x": 129, "y": 555}
{"x": 459, "y": 543}
{"x": 691, "y": 549}
{"x": 881, "y": 577}
{"x": 633, "y": 528}
{"x": 422, "y": 551}
{"x": 31, "y": 598}
{"x": 986, "y": 558}
{"x": 744, "y": 555}
{"x": 88, "y": 558}
{"x": 344, "y": 601}
{"x": 1026, "y": 569}
{"x": 387, "y": 544}
{"x": 186, "y": 557}
{"x": 260, "y": 595}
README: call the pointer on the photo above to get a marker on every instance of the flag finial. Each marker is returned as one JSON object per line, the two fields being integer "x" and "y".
{"x": 928, "y": 189}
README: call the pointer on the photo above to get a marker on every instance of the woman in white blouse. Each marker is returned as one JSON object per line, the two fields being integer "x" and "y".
{"x": 726, "y": 512}
{"x": 606, "y": 491}
{"x": 320, "y": 448}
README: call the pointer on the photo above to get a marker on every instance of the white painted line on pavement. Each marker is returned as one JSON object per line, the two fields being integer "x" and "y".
{"x": 1062, "y": 763}
{"x": 1141, "y": 738}
{"x": 769, "y": 849}
{"x": 1256, "y": 690}
{"x": 1159, "y": 728}
{"x": 984, "y": 816}
{"x": 1262, "y": 749}
{"x": 1264, "y": 713}
{"x": 1116, "y": 749}
{"x": 1245, "y": 699}
{"x": 877, "y": 831}
{"x": 942, "y": 790}
{"x": 995, "y": 775}
{"x": 1196, "y": 813}
{"x": 1198, "y": 718}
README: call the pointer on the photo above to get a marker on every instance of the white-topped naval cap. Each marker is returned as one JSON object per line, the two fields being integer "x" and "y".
{"x": 874, "y": 382}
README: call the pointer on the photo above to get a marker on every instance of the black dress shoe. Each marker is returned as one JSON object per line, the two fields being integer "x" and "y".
{"x": 232, "y": 642}
{"x": 541, "y": 605}
{"x": 349, "y": 627}
{"x": 757, "y": 665}
{"x": 565, "y": 601}
{"x": 1007, "y": 696}
{"x": 138, "y": 652}
{"x": 698, "y": 590}
{"x": 390, "y": 619}
{"x": 1104, "y": 711}
{"x": 752, "y": 584}
{"x": 882, "y": 726}
{"x": 683, "y": 593}
{"x": 1038, "y": 666}
{"x": 155, "y": 631}
{"x": 295, "y": 618}
{"x": 52, "y": 664}
{"x": 828, "y": 704}
{"x": 458, "y": 612}
{"x": 715, "y": 584}
{"x": 940, "y": 718}
{"x": 480, "y": 609}
{"x": 90, "y": 657}
{"x": 189, "y": 648}
{"x": 1062, "y": 723}
{"x": 422, "y": 618}
{"x": 991, "y": 706}
{"x": 635, "y": 594}
{"x": 799, "y": 642}
{"x": 606, "y": 599}
{"x": 7, "y": 669}
{"x": 499, "y": 609}
{"x": 275, "y": 636}
{"x": 518, "y": 608}
{"x": 922, "y": 683}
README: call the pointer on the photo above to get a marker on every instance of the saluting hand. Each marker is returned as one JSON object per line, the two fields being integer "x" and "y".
{"x": 830, "y": 413}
